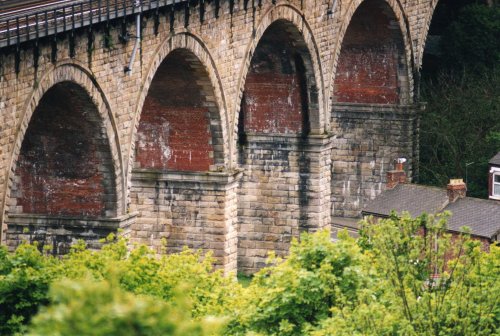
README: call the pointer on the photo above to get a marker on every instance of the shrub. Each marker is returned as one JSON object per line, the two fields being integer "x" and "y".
{"x": 382, "y": 284}
{"x": 424, "y": 282}
{"x": 25, "y": 277}
{"x": 293, "y": 296}
{"x": 103, "y": 308}
{"x": 141, "y": 271}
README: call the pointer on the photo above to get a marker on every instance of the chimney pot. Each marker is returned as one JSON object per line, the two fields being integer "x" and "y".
{"x": 398, "y": 175}
{"x": 456, "y": 189}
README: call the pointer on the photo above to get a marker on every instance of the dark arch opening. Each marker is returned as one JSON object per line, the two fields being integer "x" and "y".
{"x": 445, "y": 13}
{"x": 65, "y": 167}
{"x": 180, "y": 126}
{"x": 460, "y": 75}
{"x": 276, "y": 97}
{"x": 372, "y": 64}
{"x": 278, "y": 109}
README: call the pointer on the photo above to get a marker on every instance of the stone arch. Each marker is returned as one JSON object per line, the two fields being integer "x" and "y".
{"x": 199, "y": 54}
{"x": 294, "y": 18}
{"x": 75, "y": 77}
{"x": 279, "y": 123}
{"x": 396, "y": 11}
{"x": 189, "y": 197}
{"x": 371, "y": 101}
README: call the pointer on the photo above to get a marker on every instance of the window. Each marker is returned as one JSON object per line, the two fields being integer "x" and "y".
{"x": 496, "y": 184}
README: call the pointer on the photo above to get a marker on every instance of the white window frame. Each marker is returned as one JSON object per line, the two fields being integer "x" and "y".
{"x": 494, "y": 172}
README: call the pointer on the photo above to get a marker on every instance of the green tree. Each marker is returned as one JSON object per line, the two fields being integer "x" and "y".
{"x": 460, "y": 126}
{"x": 293, "y": 296}
{"x": 25, "y": 277}
{"x": 424, "y": 282}
{"x": 471, "y": 41}
{"x": 103, "y": 308}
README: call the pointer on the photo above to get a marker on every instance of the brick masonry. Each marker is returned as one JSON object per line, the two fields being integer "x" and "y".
{"x": 326, "y": 153}
{"x": 176, "y": 126}
{"x": 371, "y": 63}
{"x": 65, "y": 167}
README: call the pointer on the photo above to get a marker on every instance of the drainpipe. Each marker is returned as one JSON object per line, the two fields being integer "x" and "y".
{"x": 128, "y": 69}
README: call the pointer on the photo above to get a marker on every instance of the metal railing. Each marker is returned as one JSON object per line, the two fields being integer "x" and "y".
{"x": 36, "y": 22}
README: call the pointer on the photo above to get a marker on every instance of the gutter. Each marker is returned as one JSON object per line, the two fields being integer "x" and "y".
{"x": 128, "y": 69}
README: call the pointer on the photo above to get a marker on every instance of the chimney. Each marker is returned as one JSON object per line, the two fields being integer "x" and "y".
{"x": 396, "y": 176}
{"x": 456, "y": 189}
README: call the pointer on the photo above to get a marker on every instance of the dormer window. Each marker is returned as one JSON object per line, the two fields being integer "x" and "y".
{"x": 494, "y": 181}
{"x": 494, "y": 177}
{"x": 496, "y": 184}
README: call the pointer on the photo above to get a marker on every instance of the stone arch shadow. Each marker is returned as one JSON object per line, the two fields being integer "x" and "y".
{"x": 293, "y": 19}
{"x": 422, "y": 38}
{"x": 280, "y": 138}
{"x": 394, "y": 9}
{"x": 75, "y": 77}
{"x": 182, "y": 101}
{"x": 374, "y": 122}
{"x": 194, "y": 46}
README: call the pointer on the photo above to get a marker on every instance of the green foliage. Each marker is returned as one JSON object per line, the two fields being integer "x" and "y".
{"x": 292, "y": 297}
{"x": 25, "y": 277}
{"x": 140, "y": 271}
{"x": 428, "y": 282}
{"x": 103, "y": 308}
{"x": 472, "y": 40}
{"x": 459, "y": 126}
{"x": 244, "y": 280}
{"x": 404, "y": 276}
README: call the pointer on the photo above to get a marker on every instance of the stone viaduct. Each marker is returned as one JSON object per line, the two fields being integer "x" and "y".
{"x": 238, "y": 125}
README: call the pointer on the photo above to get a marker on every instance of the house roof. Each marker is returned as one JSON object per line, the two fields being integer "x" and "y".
{"x": 412, "y": 198}
{"x": 481, "y": 216}
{"x": 495, "y": 160}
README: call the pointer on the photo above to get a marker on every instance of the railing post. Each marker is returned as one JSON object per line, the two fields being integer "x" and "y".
{"x": 46, "y": 23}
{"x": 37, "y": 33}
{"x": 18, "y": 37}
{"x": 91, "y": 13}
{"x": 217, "y": 7}
{"x": 64, "y": 18}
{"x": 8, "y": 35}
{"x": 99, "y": 10}
{"x": 27, "y": 26}
{"x": 202, "y": 10}
{"x": 186, "y": 14}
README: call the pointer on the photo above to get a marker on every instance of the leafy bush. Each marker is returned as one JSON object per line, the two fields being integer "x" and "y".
{"x": 103, "y": 308}
{"x": 292, "y": 297}
{"x": 141, "y": 271}
{"x": 25, "y": 277}
{"x": 424, "y": 282}
{"x": 404, "y": 276}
